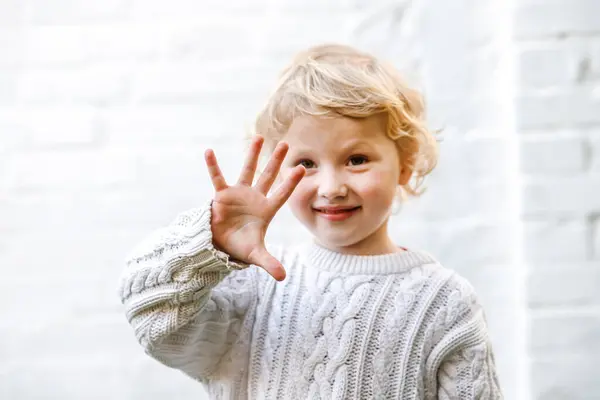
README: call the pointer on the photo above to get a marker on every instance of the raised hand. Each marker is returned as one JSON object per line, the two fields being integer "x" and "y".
{"x": 241, "y": 213}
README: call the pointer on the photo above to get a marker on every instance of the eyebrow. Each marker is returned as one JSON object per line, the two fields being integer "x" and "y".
{"x": 344, "y": 148}
{"x": 356, "y": 143}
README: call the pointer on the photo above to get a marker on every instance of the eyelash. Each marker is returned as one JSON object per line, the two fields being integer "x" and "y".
{"x": 300, "y": 162}
{"x": 360, "y": 156}
{"x": 363, "y": 158}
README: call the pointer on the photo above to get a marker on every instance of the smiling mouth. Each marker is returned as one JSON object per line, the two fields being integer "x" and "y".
{"x": 336, "y": 215}
{"x": 334, "y": 211}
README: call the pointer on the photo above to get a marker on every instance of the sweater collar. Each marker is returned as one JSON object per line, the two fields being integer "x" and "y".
{"x": 329, "y": 260}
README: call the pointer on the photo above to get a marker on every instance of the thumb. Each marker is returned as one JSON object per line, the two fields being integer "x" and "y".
{"x": 261, "y": 257}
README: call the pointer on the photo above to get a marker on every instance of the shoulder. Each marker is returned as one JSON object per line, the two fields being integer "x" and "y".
{"x": 447, "y": 289}
{"x": 446, "y": 301}
{"x": 439, "y": 294}
{"x": 453, "y": 300}
{"x": 457, "y": 291}
{"x": 457, "y": 317}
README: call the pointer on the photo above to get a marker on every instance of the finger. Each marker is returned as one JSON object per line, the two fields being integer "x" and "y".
{"x": 216, "y": 176}
{"x": 266, "y": 261}
{"x": 272, "y": 169}
{"x": 284, "y": 191}
{"x": 249, "y": 169}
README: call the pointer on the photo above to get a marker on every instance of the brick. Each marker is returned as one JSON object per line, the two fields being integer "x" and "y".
{"x": 485, "y": 199}
{"x": 8, "y": 88}
{"x": 187, "y": 40}
{"x": 5, "y": 182}
{"x": 184, "y": 82}
{"x": 556, "y": 17}
{"x": 494, "y": 284}
{"x": 386, "y": 30}
{"x": 12, "y": 12}
{"x": 454, "y": 114}
{"x": 461, "y": 244}
{"x": 167, "y": 165}
{"x": 470, "y": 77}
{"x": 577, "y": 106}
{"x": 557, "y": 63}
{"x": 292, "y": 6}
{"x": 595, "y": 234}
{"x": 122, "y": 41}
{"x": 183, "y": 9}
{"x": 55, "y": 46}
{"x": 12, "y": 130}
{"x": 49, "y": 126}
{"x": 476, "y": 26}
{"x": 472, "y": 159}
{"x": 594, "y": 57}
{"x": 216, "y": 121}
{"x": 59, "y": 46}
{"x": 96, "y": 378}
{"x": 302, "y": 30}
{"x": 549, "y": 66}
{"x": 70, "y": 12}
{"x": 568, "y": 284}
{"x": 71, "y": 171}
{"x": 556, "y": 155}
{"x": 565, "y": 377}
{"x": 556, "y": 240}
{"x": 30, "y": 223}
{"x": 74, "y": 337}
{"x": 114, "y": 222}
{"x": 12, "y": 47}
{"x": 561, "y": 333}
{"x": 594, "y": 151}
{"x": 98, "y": 85}
{"x": 573, "y": 195}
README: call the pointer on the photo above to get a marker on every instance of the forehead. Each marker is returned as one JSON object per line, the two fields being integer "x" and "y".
{"x": 333, "y": 132}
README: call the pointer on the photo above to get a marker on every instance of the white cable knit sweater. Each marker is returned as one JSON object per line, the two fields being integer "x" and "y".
{"x": 396, "y": 326}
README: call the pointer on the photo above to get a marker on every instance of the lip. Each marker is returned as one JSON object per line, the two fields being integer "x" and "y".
{"x": 336, "y": 213}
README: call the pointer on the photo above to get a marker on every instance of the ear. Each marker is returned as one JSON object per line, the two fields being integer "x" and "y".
{"x": 405, "y": 174}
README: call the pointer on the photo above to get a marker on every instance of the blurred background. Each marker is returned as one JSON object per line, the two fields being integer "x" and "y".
{"x": 106, "y": 108}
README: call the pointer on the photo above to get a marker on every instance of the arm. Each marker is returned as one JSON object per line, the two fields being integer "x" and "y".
{"x": 186, "y": 301}
{"x": 461, "y": 365}
{"x": 469, "y": 372}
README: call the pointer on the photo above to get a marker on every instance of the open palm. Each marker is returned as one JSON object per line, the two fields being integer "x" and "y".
{"x": 241, "y": 213}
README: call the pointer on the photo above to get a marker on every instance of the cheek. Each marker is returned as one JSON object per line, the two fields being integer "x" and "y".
{"x": 300, "y": 198}
{"x": 379, "y": 188}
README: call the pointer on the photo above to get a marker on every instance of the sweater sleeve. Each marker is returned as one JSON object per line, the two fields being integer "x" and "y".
{"x": 467, "y": 373}
{"x": 189, "y": 304}
{"x": 461, "y": 365}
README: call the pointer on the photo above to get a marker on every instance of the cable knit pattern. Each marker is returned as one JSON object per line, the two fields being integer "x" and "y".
{"x": 467, "y": 374}
{"x": 339, "y": 327}
{"x": 396, "y": 317}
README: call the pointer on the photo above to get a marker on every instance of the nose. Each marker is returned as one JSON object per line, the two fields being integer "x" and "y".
{"x": 332, "y": 185}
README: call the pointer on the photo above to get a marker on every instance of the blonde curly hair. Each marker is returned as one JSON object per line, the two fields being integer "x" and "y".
{"x": 338, "y": 80}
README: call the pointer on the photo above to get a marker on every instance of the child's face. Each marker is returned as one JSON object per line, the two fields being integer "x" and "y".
{"x": 352, "y": 172}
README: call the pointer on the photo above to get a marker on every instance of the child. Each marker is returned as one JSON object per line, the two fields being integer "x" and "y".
{"x": 350, "y": 315}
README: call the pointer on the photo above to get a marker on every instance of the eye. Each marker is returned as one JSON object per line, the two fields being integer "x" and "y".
{"x": 357, "y": 160}
{"x": 306, "y": 163}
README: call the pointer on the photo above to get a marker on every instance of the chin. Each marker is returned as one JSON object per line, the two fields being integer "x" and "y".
{"x": 333, "y": 242}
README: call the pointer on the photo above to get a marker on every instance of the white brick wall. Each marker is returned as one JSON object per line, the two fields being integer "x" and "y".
{"x": 558, "y": 113}
{"x": 106, "y": 108}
